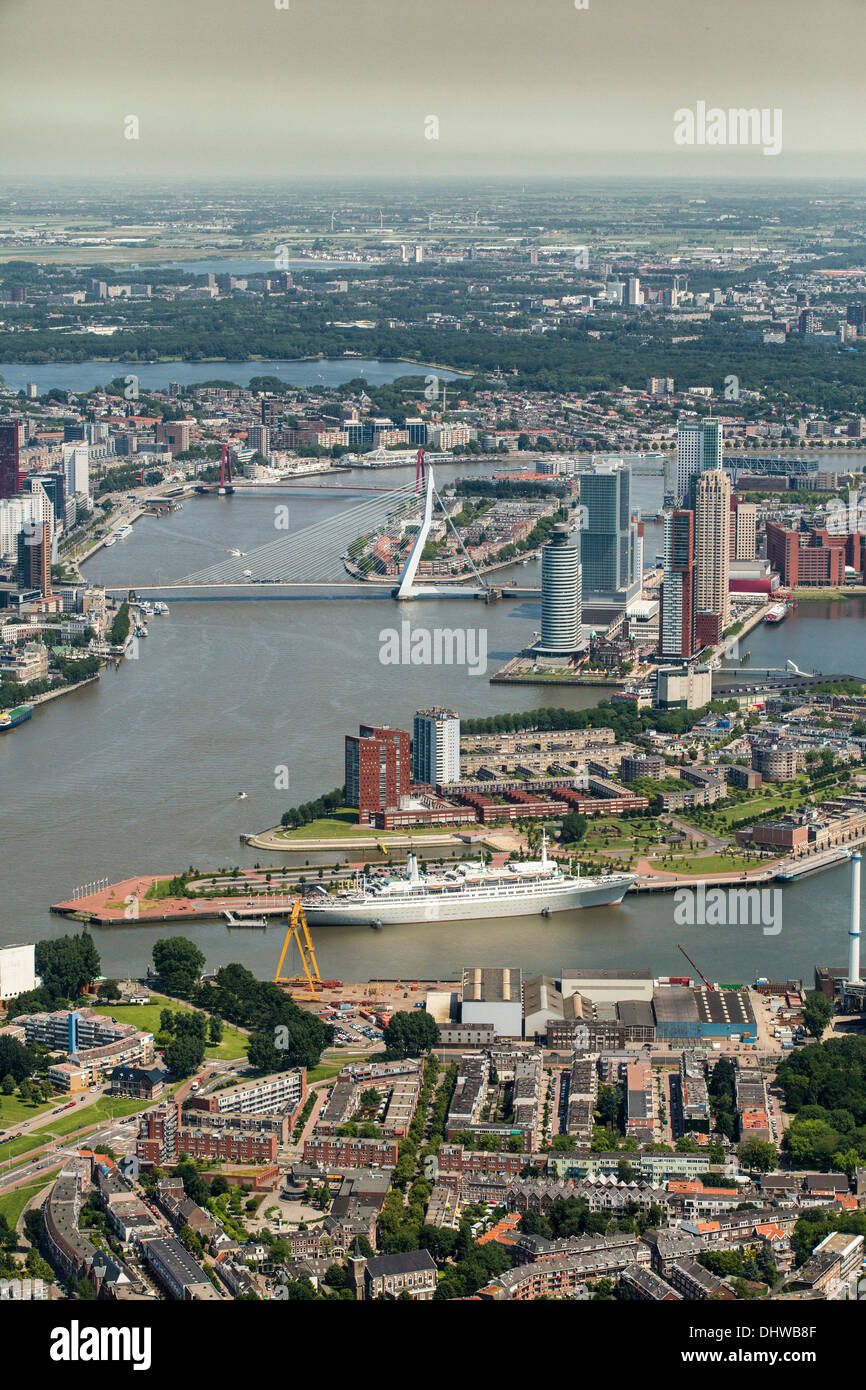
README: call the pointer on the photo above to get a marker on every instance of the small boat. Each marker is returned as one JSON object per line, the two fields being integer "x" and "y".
{"x": 234, "y": 551}
{"x": 242, "y": 796}
{"x": 777, "y": 613}
{"x": 232, "y": 921}
{"x": 248, "y": 574}
{"x": 9, "y": 718}
{"x": 110, "y": 540}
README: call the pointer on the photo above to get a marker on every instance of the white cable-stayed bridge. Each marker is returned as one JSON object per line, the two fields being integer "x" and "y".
{"x": 321, "y": 559}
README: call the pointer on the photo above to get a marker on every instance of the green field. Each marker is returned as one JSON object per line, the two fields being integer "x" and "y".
{"x": 777, "y": 796}
{"x": 761, "y": 806}
{"x": 325, "y": 1070}
{"x": 106, "y": 1108}
{"x": 15, "y": 1111}
{"x": 13, "y": 1203}
{"x": 146, "y": 1017}
{"x": 710, "y": 864}
{"x": 343, "y": 825}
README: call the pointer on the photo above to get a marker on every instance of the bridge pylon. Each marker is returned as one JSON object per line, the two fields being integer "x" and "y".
{"x": 407, "y": 587}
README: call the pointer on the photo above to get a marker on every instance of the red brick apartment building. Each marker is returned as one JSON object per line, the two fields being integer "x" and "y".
{"x": 335, "y": 1151}
{"x": 819, "y": 562}
{"x": 378, "y": 769}
{"x": 455, "y": 1161}
{"x": 229, "y": 1145}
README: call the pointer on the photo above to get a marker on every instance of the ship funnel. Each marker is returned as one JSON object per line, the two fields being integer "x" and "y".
{"x": 854, "y": 929}
{"x": 412, "y": 867}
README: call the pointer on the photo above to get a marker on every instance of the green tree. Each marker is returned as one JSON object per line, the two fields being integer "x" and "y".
{"x": 184, "y": 1054}
{"x": 817, "y": 1014}
{"x": 410, "y": 1034}
{"x": 188, "y": 1238}
{"x": 66, "y": 965}
{"x": 758, "y": 1155}
{"x": 178, "y": 963}
{"x": 120, "y": 626}
{"x": 573, "y": 828}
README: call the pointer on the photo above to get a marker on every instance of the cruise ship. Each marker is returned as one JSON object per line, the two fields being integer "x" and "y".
{"x": 466, "y": 891}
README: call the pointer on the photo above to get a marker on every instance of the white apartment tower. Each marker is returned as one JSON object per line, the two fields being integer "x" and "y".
{"x": 436, "y": 746}
{"x": 76, "y": 467}
{"x": 31, "y": 510}
{"x": 699, "y": 447}
{"x": 561, "y": 616}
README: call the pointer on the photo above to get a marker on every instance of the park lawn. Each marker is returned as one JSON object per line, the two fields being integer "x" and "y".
{"x": 15, "y": 1111}
{"x": 343, "y": 825}
{"x": 760, "y": 805}
{"x": 711, "y": 863}
{"x": 325, "y": 1070}
{"x": 106, "y": 1108}
{"x": 13, "y": 1203}
{"x": 146, "y": 1017}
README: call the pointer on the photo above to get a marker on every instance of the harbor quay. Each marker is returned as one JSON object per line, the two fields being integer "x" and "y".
{"x": 146, "y": 899}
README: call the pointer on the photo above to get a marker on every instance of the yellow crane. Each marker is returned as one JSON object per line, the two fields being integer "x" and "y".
{"x": 302, "y": 986}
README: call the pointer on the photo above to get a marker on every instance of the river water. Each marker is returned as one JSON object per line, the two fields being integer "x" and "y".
{"x": 155, "y": 376}
{"x": 140, "y": 772}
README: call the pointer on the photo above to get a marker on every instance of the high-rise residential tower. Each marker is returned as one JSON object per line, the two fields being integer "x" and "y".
{"x": 609, "y": 551}
{"x": 377, "y": 769}
{"x": 436, "y": 746}
{"x": 76, "y": 469}
{"x": 713, "y": 547}
{"x": 561, "y": 606}
{"x": 699, "y": 447}
{"x": 10, "y": 470}
{"x": 744, "y": 529}
{"x": 677, "y": 619}
{"x": 34, "y": 557}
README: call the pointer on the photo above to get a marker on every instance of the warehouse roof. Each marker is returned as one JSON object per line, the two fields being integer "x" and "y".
{"x": 500, "y": 985}
{"x": 675, "y": 1004}
{"x": 607, "y": 975}
{"x": 635, "y": 1012}
{"x": 724, "y": 1006}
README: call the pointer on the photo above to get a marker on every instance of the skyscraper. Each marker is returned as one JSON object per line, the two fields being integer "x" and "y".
{"x": 699, "y": 447}
{"x": 677, "y": 621}
{"x": 53, "y": 484}
{"x": 377, "y": 769}
{"x": 259, "y": 438}
{"x": 713, "y": 546}
{"x": 561, "y": 593}
{"x": 34, "y": 557}
{"x": 744, "y": 529}
{"x": 608, "y": 541}
{"x": 76, "y": 468}
{"x": 436, "y": 746}
{"x": 27, "y": 513}
{"x": 10, "y": 471}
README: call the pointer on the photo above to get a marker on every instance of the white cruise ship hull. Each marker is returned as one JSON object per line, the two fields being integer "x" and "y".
{"x": 466, "y": 906}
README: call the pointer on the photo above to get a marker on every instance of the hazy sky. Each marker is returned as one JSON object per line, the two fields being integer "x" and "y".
{"x": 339, "y": 86}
